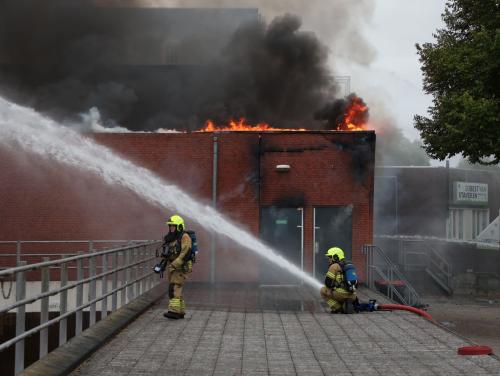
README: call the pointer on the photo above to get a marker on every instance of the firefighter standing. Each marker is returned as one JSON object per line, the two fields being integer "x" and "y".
{"x": 177, "y": 246}
{"x": 337, "y": 297}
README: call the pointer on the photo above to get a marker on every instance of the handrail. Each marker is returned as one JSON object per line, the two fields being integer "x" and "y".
{"x": 386, "y": 278}
{"x": 434, "y": 263}
{"x": 69, "y": 287}
{"x": 413, "y": 296}
{"x": 446, "y": 266}
{"x": 39, "y": 265}
{"x": 90, "y": 247}
{"x": 132, "y": 262}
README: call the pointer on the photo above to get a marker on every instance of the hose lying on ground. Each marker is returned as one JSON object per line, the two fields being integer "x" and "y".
{"x": 372, "y": 305}
{"x": 390, "y": 307}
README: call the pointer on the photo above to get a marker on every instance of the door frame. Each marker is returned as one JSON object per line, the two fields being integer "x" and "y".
{"x": 301, "y": 227}
{"x": 314, "y": 228}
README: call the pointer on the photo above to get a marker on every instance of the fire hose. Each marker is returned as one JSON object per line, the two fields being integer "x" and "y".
{"x": 372, "y": 305}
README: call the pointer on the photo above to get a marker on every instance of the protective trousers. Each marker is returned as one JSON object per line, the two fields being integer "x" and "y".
{"x": 176, "y": 281}
{"x": 335, "y": 298}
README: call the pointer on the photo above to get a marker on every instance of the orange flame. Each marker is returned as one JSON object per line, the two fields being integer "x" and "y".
{"x": 356, "y": 116}
{"x": 242, "y": 125}
{"x": 355, "y": 119}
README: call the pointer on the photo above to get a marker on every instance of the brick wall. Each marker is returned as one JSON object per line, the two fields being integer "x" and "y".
{"x": 42, "y": 200}
{"x": 326, "y": 169}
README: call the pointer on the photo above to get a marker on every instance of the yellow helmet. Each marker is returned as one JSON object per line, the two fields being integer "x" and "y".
{"x": 176, "y": 220}
{"x": 336, "y": 253}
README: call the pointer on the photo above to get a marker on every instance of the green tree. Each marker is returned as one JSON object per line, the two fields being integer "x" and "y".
{"x": 461, "y": 72}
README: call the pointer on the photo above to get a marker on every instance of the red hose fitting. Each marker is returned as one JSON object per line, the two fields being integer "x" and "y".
{"x": 390, "y": 307}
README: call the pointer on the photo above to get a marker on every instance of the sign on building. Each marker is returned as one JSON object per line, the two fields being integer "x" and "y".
{"x": 470, "y": 193}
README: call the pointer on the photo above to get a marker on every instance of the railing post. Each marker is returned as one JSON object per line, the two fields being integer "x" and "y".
{"x": 144, "y": 267}
{"x": 114, "y": 297}
{"x": 409, "y": 295}
{"x": 147, "y": 250}
{"x": 130, "y": 275}
{"x": 92, "y": 289}
{"x": 79, "y": 295}
{"x": 372, "y": 263}
{"x": 104, "y": 287}
{"x": 136, "y": 258}
{"x": 44, "y": 310}
{"x": 370, "y": 270}
{"x": 391, "y": 286}
{"x": 128, "y": 278}
{"x": 150, "y": 266}
{"x": 18, "y": 253}
{"x": 123, "y": 279}
{"x": 63, "y": 305}
{"x": 20, "y": 319}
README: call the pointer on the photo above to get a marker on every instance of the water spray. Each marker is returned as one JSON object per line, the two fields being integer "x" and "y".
{"x": 25, "y": 128}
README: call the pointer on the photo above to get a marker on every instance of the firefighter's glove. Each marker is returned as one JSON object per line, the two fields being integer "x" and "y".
{"x": 171, "y": 268}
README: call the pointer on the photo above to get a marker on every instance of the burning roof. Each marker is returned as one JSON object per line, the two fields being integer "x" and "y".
{"x": 353, "y": 118}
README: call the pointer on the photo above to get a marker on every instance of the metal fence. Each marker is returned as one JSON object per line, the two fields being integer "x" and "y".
{"x": 124, "y": 273}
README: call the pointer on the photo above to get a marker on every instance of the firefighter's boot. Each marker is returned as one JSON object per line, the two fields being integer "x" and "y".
{"x": 348, "y": 307}
{"x": 173, "y": 315}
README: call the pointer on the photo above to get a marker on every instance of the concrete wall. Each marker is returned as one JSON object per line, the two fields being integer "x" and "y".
{"x": 415, "y": 200}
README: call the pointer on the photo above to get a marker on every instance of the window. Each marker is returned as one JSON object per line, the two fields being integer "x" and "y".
{"x": 466, "y": 223}
{"x": 455, "y": 224}
{"x": 480, "y": 220}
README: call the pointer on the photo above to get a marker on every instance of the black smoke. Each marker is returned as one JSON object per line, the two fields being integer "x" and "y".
{"x": 65, "y": 57}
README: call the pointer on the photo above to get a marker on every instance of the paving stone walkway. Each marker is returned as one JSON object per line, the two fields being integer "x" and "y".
{"x": 219, "y": 339}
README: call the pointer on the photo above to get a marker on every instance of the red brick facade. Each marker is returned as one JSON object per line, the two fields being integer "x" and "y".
{"x": 41, "y": 200}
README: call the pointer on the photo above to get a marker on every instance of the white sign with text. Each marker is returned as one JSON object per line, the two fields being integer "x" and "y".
{"x": 471, "y": 192}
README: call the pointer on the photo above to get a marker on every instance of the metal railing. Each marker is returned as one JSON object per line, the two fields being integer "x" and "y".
{"x": 428, "y": 259}
{"x": 439, "y": 269}
{"x": 417, "y": 253}
{"x": 127, "y": 269}
{"x": 90, "y": 245}
{"x": 379, "y": 267}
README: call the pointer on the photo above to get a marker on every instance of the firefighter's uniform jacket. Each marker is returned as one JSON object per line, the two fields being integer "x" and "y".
{"x": 177, "y": 272}
{"x": 334, "y": 292}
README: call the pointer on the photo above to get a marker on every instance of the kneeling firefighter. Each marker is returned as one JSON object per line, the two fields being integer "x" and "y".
{"x": 176, "y": 249}
{"x": 339, "y": 294}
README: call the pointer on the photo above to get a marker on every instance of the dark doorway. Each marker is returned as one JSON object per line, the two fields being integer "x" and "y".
{"x": 332, "y": 228}
{"x": 281, "y": 228}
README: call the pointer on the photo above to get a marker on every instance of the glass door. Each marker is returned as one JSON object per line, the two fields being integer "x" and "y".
{"x": 332, "y": 228}
{"x": 282, "y": 229}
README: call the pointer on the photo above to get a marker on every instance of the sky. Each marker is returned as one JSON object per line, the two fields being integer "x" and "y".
{"x": 393, "y": 80}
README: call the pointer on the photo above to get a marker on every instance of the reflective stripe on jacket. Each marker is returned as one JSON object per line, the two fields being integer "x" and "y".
{"x": 334, "y": 278}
